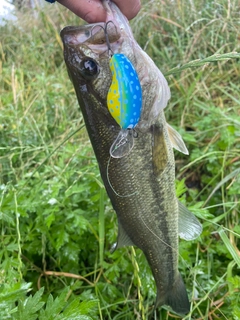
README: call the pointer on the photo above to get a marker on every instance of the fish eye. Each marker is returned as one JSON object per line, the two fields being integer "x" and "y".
{"x": 89, "y": 68}
{"x": 87, "y": 33}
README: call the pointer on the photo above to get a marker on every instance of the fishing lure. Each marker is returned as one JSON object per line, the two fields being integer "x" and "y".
{"x": 124, "y": 101}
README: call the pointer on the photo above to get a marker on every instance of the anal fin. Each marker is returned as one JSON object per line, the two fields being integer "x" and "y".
{"x": 189, "y": 228}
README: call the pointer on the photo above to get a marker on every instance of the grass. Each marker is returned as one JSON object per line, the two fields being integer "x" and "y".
{"x": 57, "y": 224}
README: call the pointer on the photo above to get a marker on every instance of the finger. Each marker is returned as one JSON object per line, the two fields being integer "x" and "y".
{"x": 129, "y": 8}
{"x": 93, "y": 11}
{"x": 89, "y": 10}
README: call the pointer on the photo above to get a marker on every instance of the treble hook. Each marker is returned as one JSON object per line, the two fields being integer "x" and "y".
{"x": 110, "y": 51}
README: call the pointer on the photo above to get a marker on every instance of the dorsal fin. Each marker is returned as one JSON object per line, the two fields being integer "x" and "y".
{"x": 123, "y": 239}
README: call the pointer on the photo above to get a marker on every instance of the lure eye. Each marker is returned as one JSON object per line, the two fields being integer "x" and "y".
{"x": 89, "y": 68}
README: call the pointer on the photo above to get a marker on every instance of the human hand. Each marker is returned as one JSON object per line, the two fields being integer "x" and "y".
{"x": 93, "y": 11}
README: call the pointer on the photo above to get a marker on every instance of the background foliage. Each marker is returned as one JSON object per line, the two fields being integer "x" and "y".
{"x": 57, "y": 224}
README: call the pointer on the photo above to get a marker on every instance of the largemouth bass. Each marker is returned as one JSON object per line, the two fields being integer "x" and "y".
{"x": 140, "y": 184}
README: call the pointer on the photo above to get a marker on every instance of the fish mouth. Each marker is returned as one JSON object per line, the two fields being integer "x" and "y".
{"x": 97, "y": 37}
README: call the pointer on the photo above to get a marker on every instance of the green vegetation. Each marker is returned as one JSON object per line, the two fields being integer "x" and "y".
{"x": 57, "y": 224}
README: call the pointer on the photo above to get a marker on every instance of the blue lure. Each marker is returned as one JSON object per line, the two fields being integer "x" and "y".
{"x": 124, "y": 101}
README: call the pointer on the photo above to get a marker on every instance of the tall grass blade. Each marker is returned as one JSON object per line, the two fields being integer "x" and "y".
{"x": 201, "y": 62}
{"x": 229, "y": 246}
{"x": 231, "y": 175}
{"x": 101, "y": 225}
{"x": 50, "y": 154}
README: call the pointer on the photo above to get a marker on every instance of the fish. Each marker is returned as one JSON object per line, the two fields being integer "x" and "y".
{"x": 141, "y": 182}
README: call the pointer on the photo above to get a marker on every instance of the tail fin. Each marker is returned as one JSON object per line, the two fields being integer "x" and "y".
{"x": 176, "y": 298}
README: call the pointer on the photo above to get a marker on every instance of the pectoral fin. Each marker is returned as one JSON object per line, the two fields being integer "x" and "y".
{"x": 123, "y": 239}
{"x": 176, "y": 140}
{"x": 159, "y": 150}
{"x": 189, "y": 228}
